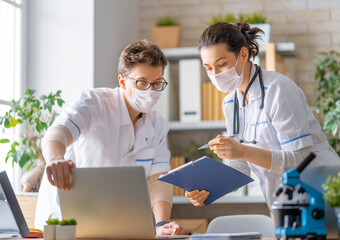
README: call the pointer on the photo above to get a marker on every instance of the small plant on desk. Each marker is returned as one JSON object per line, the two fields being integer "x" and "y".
{"x": 64, "y": 229}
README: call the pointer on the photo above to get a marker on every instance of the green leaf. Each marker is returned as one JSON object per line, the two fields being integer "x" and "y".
{"x": 14, "y": 122}
{"x": 53, "y": 221}
{"x": 17, "y": 156}
{"x": 60, "y": 102}
{"x": 7, "y": 123}
{"x": 4, "y": 140}
{"x": 64, "y": 222}
{"x": 23, "y": 159}
{"x": 334, "y": 129}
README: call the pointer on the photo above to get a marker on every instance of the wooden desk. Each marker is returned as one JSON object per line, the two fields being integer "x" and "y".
{"x": 105, "y": 239}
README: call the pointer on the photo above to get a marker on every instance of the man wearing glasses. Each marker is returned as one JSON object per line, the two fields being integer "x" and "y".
{"x": 114, "y": 127}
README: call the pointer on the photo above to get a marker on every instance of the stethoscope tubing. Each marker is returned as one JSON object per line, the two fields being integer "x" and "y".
{"x": 236, "y": 117}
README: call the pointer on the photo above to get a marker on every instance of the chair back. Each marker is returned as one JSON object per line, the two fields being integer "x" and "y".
{"x": 243, "y": 223}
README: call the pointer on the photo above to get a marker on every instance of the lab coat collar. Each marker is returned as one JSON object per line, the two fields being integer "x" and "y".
{"x": 254, "y": 91}
{"x": 124, "y": 116}
{"x": 145, "y": 127}
{"x": 144, "y": 130}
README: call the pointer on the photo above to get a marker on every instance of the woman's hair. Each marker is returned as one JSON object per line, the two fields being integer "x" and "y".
{"x": 235, "y": 36}
{"x": 143, "y": 51}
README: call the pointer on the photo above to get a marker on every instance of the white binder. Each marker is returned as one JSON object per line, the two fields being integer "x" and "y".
{"x": 190, "y": 90}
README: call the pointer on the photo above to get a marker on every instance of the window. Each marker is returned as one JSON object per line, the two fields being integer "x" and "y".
{"x": 11, "y": 58}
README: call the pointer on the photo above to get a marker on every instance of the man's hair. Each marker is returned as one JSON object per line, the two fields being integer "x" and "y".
{"x": 143, "y": 51}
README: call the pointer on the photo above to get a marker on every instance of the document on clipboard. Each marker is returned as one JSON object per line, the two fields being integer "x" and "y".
{"x": 207, "y": 174}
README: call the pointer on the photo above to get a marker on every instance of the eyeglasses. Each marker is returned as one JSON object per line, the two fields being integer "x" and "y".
{"x": 145, "y": 85}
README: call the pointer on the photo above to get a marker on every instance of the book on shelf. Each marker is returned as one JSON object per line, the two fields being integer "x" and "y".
{"x": 212, "y": 100}
{"x": 175, "y": 162}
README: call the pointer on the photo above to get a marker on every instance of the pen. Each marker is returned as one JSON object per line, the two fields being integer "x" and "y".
{"x": 207, "y": 145}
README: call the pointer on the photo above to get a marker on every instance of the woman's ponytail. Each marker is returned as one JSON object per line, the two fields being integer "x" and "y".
{"x": 235, "y": 36}
{"x": 251, "y": 34}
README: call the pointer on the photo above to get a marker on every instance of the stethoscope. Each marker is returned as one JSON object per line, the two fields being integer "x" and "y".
{"x": 236, "y": 120}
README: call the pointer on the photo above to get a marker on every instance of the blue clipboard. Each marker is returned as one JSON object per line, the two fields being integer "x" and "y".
{"x": 207, "y": 174}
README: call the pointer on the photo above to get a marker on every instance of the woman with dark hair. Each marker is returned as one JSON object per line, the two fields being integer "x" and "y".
{"x": 266, "y": 111}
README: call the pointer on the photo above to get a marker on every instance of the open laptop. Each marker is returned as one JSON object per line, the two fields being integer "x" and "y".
{"x": 315, "y": 176}
{"x": 114, "y": 203}
{"x": 110, "y": 202}
{"x": 12, "y": 222}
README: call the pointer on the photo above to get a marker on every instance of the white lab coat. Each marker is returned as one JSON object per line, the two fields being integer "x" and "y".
{"x": 104, "y": 135}
{"x": 286, "y": 123}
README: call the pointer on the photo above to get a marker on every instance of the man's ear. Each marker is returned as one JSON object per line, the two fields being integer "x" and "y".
{"x": 121, "y": 80}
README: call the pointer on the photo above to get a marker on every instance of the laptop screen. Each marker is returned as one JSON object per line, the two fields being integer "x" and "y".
{"x": 12, "y": 222}
{"x": 110, "y": 202}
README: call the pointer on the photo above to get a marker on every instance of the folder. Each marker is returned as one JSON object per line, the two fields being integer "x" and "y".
{"x": 207, "y": 174}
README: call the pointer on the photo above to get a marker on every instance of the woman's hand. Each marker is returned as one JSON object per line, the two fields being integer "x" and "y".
{"x": 227, "y": 148}
{"x": 197, "y": 197}
{"x": 59, "y": 173}
{"x": 171, "y": 228}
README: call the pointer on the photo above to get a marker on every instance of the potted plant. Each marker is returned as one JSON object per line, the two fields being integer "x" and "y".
{"x": 61, "y": 230}
{"x": 255, "y": 19}
{"x": 49, "y": 229}
{"x": 328, "y": 101}
{"x": 31, "y": 117}
{"x": 166, "y": 33}
{"x": 66, "y": 229}
{"x": 332, "y": 195}
{"x": 228, "y": 18}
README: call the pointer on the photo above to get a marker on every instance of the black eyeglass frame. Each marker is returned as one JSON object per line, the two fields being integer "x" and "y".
{"x": 164, "y": 82}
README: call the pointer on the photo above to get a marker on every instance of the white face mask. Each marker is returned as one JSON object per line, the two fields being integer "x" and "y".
{"x": 143, "y": 100}
{"x": 228, "y": 80}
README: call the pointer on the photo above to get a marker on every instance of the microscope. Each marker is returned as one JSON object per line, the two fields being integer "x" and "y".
{"x": 299, "y": 210}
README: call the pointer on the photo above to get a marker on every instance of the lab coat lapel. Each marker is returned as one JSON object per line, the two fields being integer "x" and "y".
{"x": 144, "y": 130}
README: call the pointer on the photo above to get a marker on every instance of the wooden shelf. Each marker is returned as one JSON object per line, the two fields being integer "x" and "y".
{"x": 192, "y": 126}
{"x": 172, "y": 54}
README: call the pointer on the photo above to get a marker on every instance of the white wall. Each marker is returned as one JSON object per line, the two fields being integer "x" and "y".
{"x": 60, "y": 46}
{"x": 75, "y": 44}
{"x": 116, "y": 25}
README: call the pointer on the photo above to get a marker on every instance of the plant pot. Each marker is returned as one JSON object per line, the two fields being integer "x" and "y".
{"x": 166, "y": 37}
{"x": 66, "y": 232}
{"x": 49, "y": 232}
{"x": 337, "y": 214}
{"x": 265, "y": 27}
